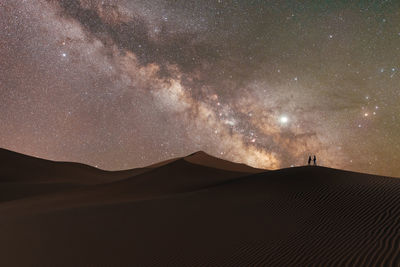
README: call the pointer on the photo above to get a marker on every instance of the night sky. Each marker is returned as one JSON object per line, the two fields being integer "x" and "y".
{"x": 121, "y": 84}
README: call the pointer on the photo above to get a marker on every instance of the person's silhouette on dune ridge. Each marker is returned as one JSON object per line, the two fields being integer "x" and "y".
{"x": 309, "y": 160}
{"x": 315, "y": 160}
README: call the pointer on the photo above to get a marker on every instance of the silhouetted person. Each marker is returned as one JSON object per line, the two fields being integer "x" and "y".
{"x": 315, "y": 160}
{"x": 309, "y": 160}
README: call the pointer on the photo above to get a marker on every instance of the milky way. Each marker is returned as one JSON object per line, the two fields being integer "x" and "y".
{"x": 121, "y": 84}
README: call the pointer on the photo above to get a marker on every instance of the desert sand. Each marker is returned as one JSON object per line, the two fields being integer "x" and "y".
{"x": 196, "y": 210}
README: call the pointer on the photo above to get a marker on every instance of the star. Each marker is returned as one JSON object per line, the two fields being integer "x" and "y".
{"x": 283, "y": 119}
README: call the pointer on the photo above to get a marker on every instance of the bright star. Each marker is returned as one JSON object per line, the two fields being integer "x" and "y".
{"x": 283, "y": 119}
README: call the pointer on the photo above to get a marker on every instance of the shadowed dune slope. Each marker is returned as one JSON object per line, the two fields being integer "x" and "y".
{"x": 16, "y": 167}
{"x": 171, "y": 177}
{"x": 202, "y": 158}
{"x": 187, "y": 214}
{"x": 24, "y": 176}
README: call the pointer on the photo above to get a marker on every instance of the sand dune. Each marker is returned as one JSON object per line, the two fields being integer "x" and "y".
{"x": 17, "y": 167}
{"x": 22, "y": 176}
{"x": 203, "y": 159}
{"x": 195, "y": 211}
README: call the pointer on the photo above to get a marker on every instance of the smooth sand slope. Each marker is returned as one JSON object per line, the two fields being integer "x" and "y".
{"x": 194, "y": 211}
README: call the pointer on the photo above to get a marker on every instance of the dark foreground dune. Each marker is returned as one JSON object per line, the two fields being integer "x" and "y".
{"x": 194, "y": 211}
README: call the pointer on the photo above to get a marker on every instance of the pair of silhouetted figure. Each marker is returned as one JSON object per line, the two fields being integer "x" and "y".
{"x": 314, "y": 159}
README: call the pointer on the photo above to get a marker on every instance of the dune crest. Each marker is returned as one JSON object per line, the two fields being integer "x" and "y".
{"x": 204, "y": 159}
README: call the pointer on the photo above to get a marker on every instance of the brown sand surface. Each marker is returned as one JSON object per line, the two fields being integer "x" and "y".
{"x": 195, "y": 211}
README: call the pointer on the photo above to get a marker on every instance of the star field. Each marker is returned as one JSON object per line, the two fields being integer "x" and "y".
{"x": 121, "y": 84}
